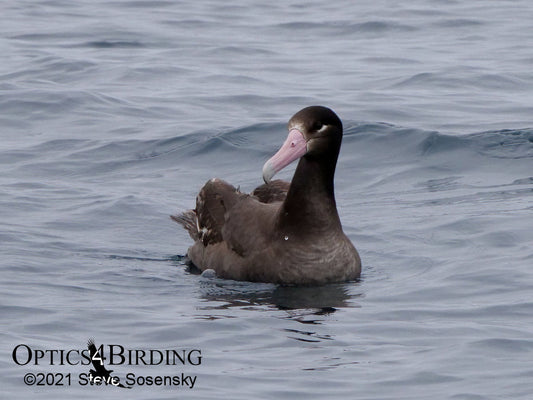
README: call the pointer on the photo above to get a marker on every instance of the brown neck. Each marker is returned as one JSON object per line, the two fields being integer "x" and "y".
{"x": 310, "y": 204}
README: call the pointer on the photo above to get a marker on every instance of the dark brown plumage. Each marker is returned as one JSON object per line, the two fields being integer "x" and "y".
{"x": 282, "y": 233}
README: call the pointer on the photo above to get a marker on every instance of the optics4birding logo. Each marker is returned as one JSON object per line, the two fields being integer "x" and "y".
{"x": 100, "y": 374}
{"x": 100, "y": 359}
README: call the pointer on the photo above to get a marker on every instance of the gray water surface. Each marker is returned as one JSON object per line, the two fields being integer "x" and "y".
{"x": 114, "y": 114}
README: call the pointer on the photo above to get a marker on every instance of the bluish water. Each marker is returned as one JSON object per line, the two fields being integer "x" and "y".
{"x": 113, "y": 114}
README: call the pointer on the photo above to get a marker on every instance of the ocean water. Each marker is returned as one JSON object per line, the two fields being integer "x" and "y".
{"x": 114, "y": 114}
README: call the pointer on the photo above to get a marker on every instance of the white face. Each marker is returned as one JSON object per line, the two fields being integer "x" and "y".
{"x": 323, "y": 128}
{"x": 301, "y": 127}
{"x": 296, "y": 125}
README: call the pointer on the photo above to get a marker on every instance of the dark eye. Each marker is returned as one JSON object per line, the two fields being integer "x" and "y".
{"x": 317, "y": 126}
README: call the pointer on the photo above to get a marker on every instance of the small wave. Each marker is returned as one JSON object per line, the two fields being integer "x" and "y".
{"x": 459, "y": 23}
{"x": 505, "y": 143}
{"x": 461, "y": 79}
{"x": 106, "y": 44}
{"x": 336, "y": 28}
{"x": 146, "y": 4}
{"x": 436, "y": 142}
{"x": 137, "y": 258}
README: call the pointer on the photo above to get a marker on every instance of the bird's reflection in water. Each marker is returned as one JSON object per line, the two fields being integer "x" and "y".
{"x": 310, "y": 306}
{"x": 296, "y": 301}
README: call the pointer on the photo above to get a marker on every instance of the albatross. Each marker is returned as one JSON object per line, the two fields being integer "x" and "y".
{"x": 285, "y": 233}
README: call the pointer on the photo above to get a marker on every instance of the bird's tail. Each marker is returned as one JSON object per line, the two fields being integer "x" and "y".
{"x": 189, "y": 220}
